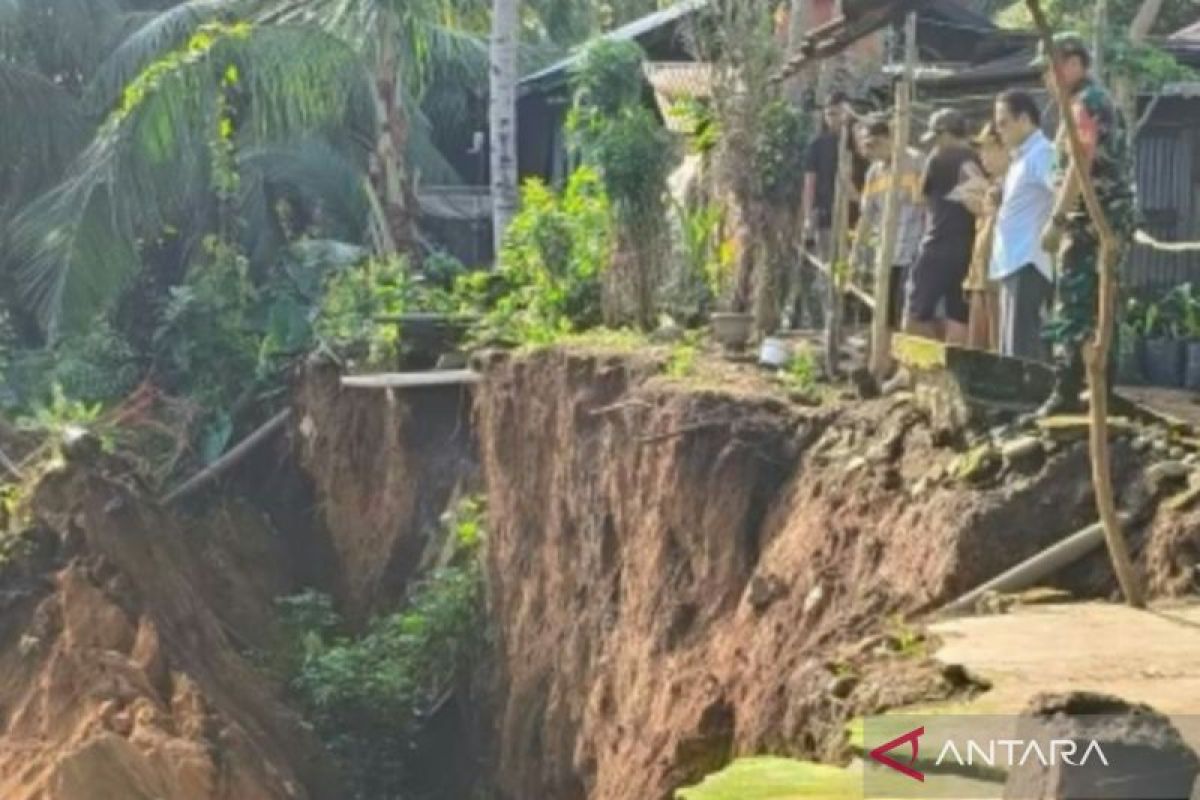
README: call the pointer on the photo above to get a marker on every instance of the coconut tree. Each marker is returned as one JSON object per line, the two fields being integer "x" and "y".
{"x": 504, "y": 44}
{"x": 407, "y": 45}
{"x": 170, "y": 152}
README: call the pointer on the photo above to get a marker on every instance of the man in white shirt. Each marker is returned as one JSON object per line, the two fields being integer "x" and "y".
{"x": 1024, "y": 271}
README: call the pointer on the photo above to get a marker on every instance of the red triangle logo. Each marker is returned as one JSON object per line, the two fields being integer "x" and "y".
{"x": 913, "y": 738}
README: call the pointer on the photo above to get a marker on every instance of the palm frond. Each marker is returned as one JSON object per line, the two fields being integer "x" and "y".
{"x": 309, "y": 173}
{"x": 150, "y": 165}
{"x": 64, "y": 39}
{"x": 146, "y": 36}
{"x": 41, "y": 130}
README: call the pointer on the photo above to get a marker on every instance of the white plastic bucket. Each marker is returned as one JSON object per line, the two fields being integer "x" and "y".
{"x": 774, "y": 353}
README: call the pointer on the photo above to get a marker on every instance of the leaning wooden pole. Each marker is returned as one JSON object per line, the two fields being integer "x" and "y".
{"x": 230, "y": 459}
{"x": 881, "y": 336}
{"x": 1096, "y": 352}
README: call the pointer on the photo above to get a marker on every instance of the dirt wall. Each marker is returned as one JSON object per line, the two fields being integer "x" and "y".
{"x": 384, "y": 465}
{"x": 674, "y": 569}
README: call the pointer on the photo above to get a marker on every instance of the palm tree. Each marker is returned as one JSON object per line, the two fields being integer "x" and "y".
{"x": 408, "y": 44}
{"x": 181, "y": 114}
{"x": 504, "y": 45}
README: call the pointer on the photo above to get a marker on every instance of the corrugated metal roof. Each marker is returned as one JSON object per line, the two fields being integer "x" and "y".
{"x": 1189, "y": 34}
{"x": 633, "y": 31}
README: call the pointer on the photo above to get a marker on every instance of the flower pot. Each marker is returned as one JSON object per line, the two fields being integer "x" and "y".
{"x": 1191, "y": 370}
{"x": 1130, "y": 361}
{"x": 733, "y": 330}
{"x": 1164, "y": 362}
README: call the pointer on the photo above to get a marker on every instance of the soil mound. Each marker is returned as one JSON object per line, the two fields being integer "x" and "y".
{"x": 122, "y": 674}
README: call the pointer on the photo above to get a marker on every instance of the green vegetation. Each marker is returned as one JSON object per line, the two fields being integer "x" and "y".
{"x": 633, "y": 154}
{"x": 547, "y": 283}
{"x": 776, "y": 779}
{"x": 368, "y": 695}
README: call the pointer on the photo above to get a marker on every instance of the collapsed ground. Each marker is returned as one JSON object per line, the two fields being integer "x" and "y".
{"x": 681, "y": 565}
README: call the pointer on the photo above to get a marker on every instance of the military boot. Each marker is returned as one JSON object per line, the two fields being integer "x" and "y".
{"x": 1068, "y": 382}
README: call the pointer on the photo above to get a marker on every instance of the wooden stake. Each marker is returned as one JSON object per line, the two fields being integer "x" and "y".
{"x": 881, "y": 339}
{"x": 1095, "y": 353}
{"x": 841, "y": 221}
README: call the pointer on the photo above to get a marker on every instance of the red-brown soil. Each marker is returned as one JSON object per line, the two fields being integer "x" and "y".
{"x": 674, "y": 569}
{"x": 121, "y": 667}
{"x": 384, "y": 466}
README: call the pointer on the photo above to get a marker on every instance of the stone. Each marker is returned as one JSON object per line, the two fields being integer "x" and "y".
{"x": 1141, "y": 444}
{"x": 1144, "y": 754}
{"x": 813, "y": 599}
{"x": 1167, "y": 475}
{"x": 763, "y": 591}
{"x": 1023, "y": 449}
{"x": 1177, "y": 453}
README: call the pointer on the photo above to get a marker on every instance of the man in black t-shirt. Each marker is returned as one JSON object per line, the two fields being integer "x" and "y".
{"x": 820, "y": 189}
{"x": 936, "y": 280}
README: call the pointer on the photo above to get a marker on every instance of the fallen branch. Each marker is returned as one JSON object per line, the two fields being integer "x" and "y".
{"x": 1096, "y": 352}
{"x": 225, "y": 462}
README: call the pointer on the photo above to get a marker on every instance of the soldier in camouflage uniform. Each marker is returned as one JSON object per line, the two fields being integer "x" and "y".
{"x": 1071, "y": 233}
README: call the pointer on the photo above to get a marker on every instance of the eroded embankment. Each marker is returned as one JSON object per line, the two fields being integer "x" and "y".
{"x": 122, "y": 636}
{"x": 384, "y": 467}
{"x": 680, "y": 574}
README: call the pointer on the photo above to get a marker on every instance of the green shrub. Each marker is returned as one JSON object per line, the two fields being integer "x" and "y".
{"x": 368, "y": 695}
{"x": 548, "y": 280}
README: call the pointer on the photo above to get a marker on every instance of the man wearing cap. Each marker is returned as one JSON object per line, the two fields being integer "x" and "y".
{"x": 1019, "y": 264}
{"x": 1071, "y": 233}
{"x": 877, "y": 146}
{"x": 820, "y": 187}
{"x": 937, "y": 276}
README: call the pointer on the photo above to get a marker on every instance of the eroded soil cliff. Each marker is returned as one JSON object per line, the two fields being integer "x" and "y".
{"x": 122, "y": 667}
{"x": 681, "y": 573}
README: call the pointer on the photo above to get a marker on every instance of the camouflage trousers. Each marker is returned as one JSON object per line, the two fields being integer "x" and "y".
{"x": 1074, "y": 320}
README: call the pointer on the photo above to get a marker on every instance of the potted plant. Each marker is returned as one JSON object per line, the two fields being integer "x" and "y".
{"x": 1164, "y": 353}
{"x": 732, "y": 326}
{"x": 1131, "y": 344}
{"x": 1189, "y": 305}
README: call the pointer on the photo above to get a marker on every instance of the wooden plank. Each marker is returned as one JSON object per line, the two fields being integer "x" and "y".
{"x": 412, "y": 380}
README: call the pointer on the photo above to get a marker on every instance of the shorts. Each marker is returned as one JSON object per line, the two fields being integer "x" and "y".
{"x": 936, "y": 279}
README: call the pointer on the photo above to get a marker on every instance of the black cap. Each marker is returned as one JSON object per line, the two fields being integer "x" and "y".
{"x": 945, "y": 120}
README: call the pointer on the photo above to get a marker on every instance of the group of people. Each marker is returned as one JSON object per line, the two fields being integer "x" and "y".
{"x": 992, "y": 226}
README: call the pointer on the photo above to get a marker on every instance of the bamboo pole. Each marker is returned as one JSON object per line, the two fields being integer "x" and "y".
{"x": 222, "y": 464}
{"x": 1096, "y": 352}
{"x": 881, "y": 337}
{"x": 841, "y": 219}
{"x": 1030, "y": 571}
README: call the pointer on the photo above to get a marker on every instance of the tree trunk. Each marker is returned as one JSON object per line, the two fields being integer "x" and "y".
{"x": 1125, "y": 86}
{"x": 503, "y": 116}
{"x": 388, "y": 170}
